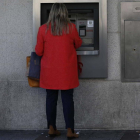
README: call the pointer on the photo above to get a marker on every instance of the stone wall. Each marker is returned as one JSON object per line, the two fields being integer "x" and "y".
{"x": 99, "y": 103}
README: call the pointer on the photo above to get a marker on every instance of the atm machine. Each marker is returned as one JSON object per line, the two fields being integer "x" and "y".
{"x": 90, "y": 18}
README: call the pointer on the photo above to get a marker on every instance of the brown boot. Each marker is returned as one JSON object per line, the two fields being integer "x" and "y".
{"x": 70, "y": 134}
{"x": 53, "y": 132}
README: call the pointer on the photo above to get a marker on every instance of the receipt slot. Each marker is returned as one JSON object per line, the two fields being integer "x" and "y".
{"x": 90, "y": 18}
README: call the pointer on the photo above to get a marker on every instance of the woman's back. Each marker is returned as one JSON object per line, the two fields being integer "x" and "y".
{"x": 59, "y": 58}
{"x": 62, "y": 47}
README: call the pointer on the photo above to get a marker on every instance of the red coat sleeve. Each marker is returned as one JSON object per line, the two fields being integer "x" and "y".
{"x": 39, "y": 48}
{"x": 77, "y": 39}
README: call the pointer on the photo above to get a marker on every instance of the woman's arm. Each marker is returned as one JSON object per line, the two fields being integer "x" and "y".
{"x": 39, "y": 48}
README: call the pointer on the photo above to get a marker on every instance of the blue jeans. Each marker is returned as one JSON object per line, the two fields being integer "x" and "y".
{"x": 68, "y": 107}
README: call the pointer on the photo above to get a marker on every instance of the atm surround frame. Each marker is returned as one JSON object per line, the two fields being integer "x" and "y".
{"x": 102, "y": 22}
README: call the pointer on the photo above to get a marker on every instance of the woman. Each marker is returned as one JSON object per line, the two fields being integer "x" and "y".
{"x": 57, "y": 41}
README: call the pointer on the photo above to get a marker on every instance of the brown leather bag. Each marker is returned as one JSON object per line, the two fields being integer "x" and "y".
{"x": 32, "y": 82}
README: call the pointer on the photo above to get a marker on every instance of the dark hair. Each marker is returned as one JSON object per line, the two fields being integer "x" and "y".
{"x": 58, "y": 18}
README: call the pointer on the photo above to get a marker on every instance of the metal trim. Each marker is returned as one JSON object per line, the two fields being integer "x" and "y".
{"x": 96, "y": 52}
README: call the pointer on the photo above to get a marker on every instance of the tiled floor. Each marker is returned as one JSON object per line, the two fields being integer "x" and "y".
{"x": 83, "y": 135}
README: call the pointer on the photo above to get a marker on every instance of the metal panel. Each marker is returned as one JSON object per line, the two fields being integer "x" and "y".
{"x": 130, "y": 42}
{"x": 132, "y": 49}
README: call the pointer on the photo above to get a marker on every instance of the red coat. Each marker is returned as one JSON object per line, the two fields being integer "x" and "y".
{"x": 59, "y": 69}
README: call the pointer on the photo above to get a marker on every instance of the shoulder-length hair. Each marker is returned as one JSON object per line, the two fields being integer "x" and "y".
{"x": 58, "y": 18}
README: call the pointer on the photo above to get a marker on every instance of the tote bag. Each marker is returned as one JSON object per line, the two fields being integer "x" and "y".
{"x": 33, "y": 80}
{"x": 34, "y": 67}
